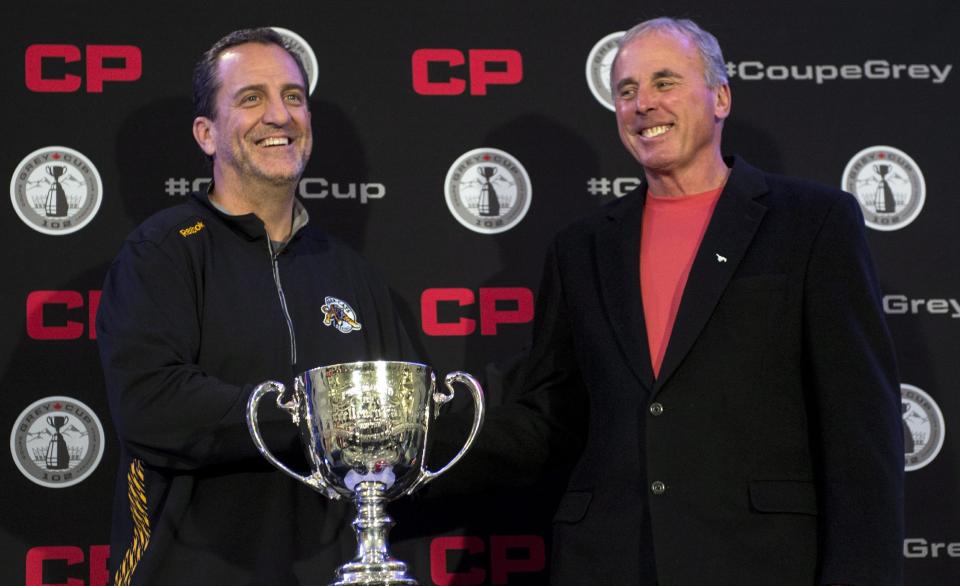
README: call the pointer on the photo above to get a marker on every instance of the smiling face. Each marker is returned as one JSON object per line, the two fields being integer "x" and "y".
{"x": 667, "y": 116}
{"x": 262, "y": 129}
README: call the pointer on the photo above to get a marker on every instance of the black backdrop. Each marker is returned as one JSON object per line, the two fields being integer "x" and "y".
{"x": 862, "y": 95}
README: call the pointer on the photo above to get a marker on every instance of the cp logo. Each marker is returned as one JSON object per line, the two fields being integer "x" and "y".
{"x": 485, "y": 67}
{"x": 103, "y": 63}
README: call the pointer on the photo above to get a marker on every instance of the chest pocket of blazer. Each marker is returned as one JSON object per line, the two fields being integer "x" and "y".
{"x": 783, "y": 496}
{"x": 771, "y": 282}
{"x": 573, "y": 507}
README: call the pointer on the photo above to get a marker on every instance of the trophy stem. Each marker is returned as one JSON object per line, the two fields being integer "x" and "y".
{"x": 373, "y": 564}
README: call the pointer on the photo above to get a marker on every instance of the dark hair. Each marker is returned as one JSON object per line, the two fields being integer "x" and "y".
{"x": 206, "y": 82}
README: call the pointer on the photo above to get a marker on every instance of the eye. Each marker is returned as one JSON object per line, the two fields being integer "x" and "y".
{"x": 249, "y": 99}
{"x": 627, "y": 93}
{"x": 294, "y": 98}
{"x": 663, "y": 84}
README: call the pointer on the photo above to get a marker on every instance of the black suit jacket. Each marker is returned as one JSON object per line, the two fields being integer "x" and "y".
{"x": 768, "y": 451}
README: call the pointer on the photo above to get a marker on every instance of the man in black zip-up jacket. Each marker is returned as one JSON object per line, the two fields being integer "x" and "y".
{"x": 204, "y": 301}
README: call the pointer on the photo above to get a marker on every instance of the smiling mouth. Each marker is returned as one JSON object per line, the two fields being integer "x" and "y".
{"x": 655, "y": 131}
{"x": 274, "y": 141}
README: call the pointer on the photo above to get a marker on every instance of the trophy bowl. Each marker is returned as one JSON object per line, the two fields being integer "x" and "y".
{"x": 364, "y": 428}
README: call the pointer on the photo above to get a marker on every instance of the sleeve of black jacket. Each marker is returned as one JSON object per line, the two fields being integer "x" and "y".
{"x": 543, "y": 427}
{"x": 167, "y": 411}
{"x": 856, "y": 405}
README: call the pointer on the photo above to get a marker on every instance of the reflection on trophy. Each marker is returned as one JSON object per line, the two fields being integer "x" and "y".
{"x": 56, "y": 204}
{"x": 364, "y": 427}
{"x": 489, "y": 203}
{"x": 58, "y": 456}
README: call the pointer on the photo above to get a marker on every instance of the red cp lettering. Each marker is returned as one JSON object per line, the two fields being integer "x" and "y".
{"x": 439, "y": 566}
{"x": 38, "y": 556}
{"x": 509, "y": 554}
{"x": 421, "y": 74}
{"x": 508, "y": 70}
{"x": 491, "y": 317}
{"x": 432, "y": 326}
{"x": 97, "y": 71}
{"x": 39, "y": 329}
{"x": 481, "y": 76}
{"x": 33, "y": 68}
{"x": 502, "y": 564}
{"x": 492, "y": 314}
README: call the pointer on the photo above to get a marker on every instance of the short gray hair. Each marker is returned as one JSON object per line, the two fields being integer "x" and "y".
{"x": 714, "y": 67}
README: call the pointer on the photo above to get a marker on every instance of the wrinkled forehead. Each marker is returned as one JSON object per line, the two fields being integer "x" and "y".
{"x": 656, "y": 50}
{"x": 252, "y": 63}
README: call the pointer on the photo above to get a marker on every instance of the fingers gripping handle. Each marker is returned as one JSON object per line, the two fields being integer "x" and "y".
{"x": 476, "y": 392}
{"x": 291, "y": 407}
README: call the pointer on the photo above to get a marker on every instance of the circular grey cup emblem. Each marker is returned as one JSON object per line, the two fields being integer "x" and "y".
{"x": 923, "y": 427}
{"x": 305, "y": 51}
{"x": 56, "y": 190}
{"x": 488, "y": 190}
{"x": 57, "y": 442}
{"x": 889, "y": 186}
{"x": 599, "y": 63}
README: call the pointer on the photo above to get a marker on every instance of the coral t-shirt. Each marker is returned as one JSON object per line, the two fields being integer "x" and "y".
{"x": 672, "y": 229}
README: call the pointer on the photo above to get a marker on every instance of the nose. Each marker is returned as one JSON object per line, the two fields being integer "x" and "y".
{"x": 644, "y": 101}
{"x": 275, "y": 111}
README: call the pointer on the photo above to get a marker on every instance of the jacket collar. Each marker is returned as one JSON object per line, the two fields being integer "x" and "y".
{"x": 250, "y": 225}
{"x": 732, "y": 226}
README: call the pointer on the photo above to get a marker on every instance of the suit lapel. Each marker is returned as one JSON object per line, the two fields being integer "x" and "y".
{"x": 731, "y": 229}
{"x": 617, "y": 250}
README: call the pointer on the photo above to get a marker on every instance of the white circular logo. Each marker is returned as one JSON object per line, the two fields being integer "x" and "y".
{"x": 488, "y": 190}
{"x": 303, "y": 49}
{"x": 57, "y": 442}
{"x": 599, "y": 62}
{"x": 56, "y": 190}
{"x": 923, "y": 427}
{"x": 889, "y": 186}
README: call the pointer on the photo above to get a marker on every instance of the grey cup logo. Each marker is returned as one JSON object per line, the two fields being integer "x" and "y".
{"x": 57, "y": 442}
{"x": 599, "y": 62}
{"x": 923, "y": 427}
{"x": 56, "y": 190}
{"x": 488, "y": 190}
{"x": 889, "y": 186}
{"x": 303, "y": 49}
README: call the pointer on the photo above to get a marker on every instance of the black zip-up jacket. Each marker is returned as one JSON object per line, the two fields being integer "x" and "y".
{"x": 196, "y": 310}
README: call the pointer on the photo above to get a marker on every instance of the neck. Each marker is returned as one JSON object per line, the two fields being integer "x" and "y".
{"x": 675, "y": 182}
{"x": 273, "y": 204}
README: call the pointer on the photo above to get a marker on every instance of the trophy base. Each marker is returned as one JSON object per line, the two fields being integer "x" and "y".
{"x": 390, "y": 573}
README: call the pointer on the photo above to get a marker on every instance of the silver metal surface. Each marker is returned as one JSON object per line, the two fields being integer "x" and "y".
{"x": 364, "y": 427}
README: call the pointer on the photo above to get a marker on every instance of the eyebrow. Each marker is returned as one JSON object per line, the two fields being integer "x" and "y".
{"x": 263, "y": 88}
{"x": 660, "y": 74}
{"x": 665, "y": 73}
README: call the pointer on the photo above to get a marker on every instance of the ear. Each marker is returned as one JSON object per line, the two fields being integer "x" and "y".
{"x": 721, "y": 108}
{"x": 205, "y": 134}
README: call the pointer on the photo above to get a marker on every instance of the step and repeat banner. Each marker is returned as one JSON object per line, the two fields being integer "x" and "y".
{"x": 418, "y": 108}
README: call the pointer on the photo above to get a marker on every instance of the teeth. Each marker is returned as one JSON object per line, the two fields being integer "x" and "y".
{"x": 276, "y": 141}
{"x": 655, "y": 131}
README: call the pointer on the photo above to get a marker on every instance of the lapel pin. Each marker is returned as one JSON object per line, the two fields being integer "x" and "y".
{"x": 720, "y": 257}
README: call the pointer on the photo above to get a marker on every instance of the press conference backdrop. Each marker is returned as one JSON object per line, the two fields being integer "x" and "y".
{"x": 452, "y": 141}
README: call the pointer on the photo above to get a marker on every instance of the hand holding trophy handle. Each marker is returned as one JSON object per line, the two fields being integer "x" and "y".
{"x": 293, "y": 408}
{"x": 426, "y": 476}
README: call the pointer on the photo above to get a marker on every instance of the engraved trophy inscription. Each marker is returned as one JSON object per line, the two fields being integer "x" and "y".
{"x": 364, "y": 427}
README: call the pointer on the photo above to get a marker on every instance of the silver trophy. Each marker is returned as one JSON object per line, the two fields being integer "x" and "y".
{"x": 364, "y": 427}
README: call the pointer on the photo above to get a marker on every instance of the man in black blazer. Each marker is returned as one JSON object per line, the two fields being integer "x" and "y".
{"x": 762, "y": 444}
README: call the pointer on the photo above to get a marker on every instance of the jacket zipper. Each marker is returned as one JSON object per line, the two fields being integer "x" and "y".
{"x": 283, "y": 303}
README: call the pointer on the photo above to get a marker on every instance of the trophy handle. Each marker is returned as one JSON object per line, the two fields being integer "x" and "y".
{"x": 440, "y": 398}
{"x": 293, "y": 408}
